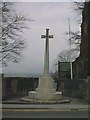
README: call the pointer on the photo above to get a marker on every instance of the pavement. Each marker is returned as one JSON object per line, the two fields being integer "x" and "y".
{"x": 45, "y": 106}
{"x": 44, "y": 113}
{"x": 74, "y": 104}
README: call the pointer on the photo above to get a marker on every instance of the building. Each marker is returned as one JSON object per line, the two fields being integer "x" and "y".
{"x": 80, "y": 84}
{"x": 81, "y": 66}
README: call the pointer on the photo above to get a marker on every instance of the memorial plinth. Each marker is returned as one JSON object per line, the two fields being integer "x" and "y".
{"x": 45, "y": 90}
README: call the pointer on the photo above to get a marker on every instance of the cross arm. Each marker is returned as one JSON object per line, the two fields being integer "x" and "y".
{"x": 44, "y": 36}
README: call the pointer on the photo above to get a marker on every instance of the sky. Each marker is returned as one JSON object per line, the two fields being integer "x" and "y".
{"x": 51, "y": 15}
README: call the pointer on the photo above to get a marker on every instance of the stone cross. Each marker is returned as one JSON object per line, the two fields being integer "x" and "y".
{"x": 46, "y": 57}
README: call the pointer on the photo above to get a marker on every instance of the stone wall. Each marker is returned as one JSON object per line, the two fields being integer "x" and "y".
{"x": 18, "y": 85}
{"x": 21, "y": 86}
{"x": 73, "y": 87}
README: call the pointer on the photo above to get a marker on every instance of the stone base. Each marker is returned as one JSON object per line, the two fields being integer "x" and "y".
{"x": 57, "y": 99}
{"x": 33, "y": 97}
{"x": 45, "y": 97}
{"x": 46, "y": 91}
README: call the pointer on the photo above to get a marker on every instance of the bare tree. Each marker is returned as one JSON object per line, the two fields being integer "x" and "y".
{"x": 67, "y": 56}
{"x": 79, "y": 7}
{"x": 11, "y": 39}
{"x": 75, "y": 36}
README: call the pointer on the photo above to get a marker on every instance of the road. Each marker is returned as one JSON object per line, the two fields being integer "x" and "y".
{"x": 49, "y": 106}
{"x": 43, "y": 113}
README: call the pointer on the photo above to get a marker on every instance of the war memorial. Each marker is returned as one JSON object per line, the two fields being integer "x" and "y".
{"x": 46, "y": 91}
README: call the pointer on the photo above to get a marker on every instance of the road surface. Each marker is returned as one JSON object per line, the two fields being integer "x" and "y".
{"x": 43, "y": 113}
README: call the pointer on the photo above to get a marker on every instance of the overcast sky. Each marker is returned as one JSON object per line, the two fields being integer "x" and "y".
{"x": 52, "y": 15}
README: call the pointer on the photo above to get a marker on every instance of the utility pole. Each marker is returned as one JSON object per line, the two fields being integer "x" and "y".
{"x": 70, "y": 49}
